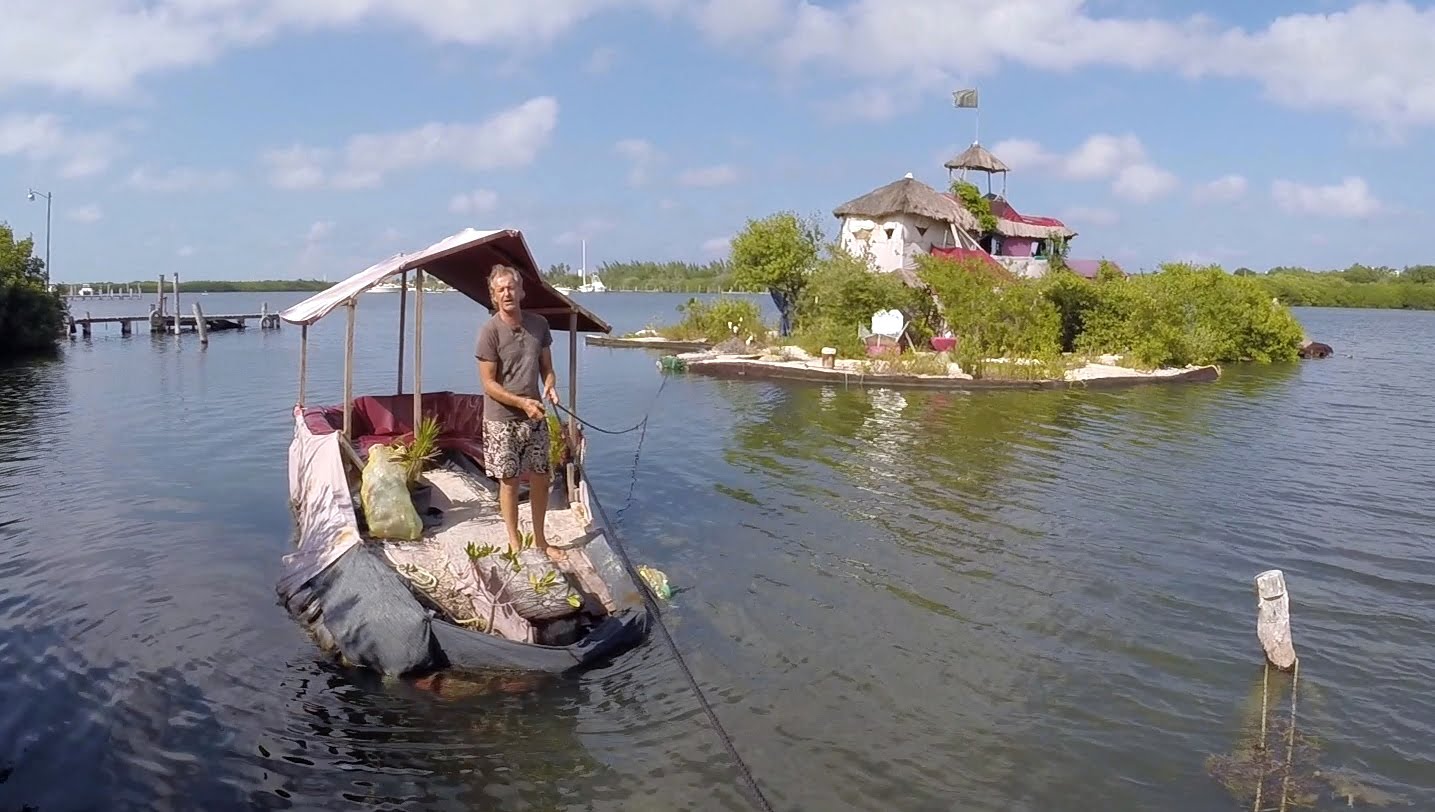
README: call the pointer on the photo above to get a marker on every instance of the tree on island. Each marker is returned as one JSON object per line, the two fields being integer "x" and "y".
{"x": 777, "y": 253}
{"x": 31, "y": 315}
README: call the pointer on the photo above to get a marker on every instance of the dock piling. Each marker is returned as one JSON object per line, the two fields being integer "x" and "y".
{"x": 200, "y": 326}
{"x": 176, "y": 303}
{"x": 1273, "y": 620}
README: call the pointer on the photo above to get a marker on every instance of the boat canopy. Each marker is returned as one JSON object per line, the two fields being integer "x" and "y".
{"x": 463, "y": 261}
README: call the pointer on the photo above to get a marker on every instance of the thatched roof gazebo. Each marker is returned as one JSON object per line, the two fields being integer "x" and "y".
{"x": 979, "y": 158}
{"x": 909, "y": 196}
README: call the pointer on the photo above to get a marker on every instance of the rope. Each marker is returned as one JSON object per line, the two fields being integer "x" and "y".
{"x": 1290, "y": 740}
{"x": 642, "y": 425}
{"x": 1290, "y": 737}
{"x": 1265, "y": 694}
{"x": 652, "y": 604}
{"x": 651, "y": 601}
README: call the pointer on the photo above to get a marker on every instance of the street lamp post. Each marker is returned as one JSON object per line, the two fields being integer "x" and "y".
{"x": 31, "y": 196}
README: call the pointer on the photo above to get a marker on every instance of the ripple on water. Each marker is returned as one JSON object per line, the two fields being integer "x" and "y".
{"x": 1025, "y": 600}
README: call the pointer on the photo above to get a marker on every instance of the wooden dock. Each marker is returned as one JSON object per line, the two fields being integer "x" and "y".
{"x": 160, "y": 320}
{"x": 100, "y": 293}
{"x": 159, "y": 323}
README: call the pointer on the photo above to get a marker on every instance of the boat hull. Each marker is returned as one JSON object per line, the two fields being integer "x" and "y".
{"x": 342, "y": 590}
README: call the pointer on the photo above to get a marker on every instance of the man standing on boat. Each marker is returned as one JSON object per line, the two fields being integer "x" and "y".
{"x": 513, "y": 354}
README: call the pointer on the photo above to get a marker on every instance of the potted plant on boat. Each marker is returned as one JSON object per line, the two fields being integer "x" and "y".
{"x": 413, "y": 456}
{"x": 560, "y": 453}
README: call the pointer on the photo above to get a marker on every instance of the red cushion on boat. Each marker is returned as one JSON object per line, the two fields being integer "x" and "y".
{"x": 389, "y": 418}
{"x": 323, "y": 419}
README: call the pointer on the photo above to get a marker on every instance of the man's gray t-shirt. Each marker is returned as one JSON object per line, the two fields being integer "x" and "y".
{"x": 517, "y": 350}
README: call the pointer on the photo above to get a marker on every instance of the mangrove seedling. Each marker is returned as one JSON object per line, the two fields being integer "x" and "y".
{"x": 417, "y": 453}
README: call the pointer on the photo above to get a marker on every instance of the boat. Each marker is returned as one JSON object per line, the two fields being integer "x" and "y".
{"x": 430, "y": 601}
{"x": 591, "y": 284}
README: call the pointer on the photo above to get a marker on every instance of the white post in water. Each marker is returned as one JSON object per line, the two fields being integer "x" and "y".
{"x": 176, "y": 303}
{"x": 1273, "y": 619}
{"x": 200, "y": 325}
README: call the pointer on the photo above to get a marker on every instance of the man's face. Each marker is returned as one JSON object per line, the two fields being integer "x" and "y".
{"x": 506, "y": 294}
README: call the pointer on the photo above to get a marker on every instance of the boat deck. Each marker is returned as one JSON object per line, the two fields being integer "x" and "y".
{"x": 439, "y": 565}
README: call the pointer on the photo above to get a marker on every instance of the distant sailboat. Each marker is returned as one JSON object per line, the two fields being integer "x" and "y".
{"x": 590, "y": 284}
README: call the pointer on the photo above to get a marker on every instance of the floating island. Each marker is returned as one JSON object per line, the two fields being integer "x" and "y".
{"x": 925, "y": 370}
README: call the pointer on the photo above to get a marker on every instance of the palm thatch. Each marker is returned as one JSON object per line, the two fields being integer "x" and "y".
{"x": 1013, "y": 228}
{"x": 977, "y": 157}
{"x": 908, "y": 196}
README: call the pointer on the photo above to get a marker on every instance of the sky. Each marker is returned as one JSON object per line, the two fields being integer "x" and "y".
{"x": 263, "y": 139}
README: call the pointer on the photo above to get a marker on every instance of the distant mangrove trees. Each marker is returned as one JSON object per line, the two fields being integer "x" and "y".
{"x": 657, "y": 277}
{"x": 1356, "y": 286}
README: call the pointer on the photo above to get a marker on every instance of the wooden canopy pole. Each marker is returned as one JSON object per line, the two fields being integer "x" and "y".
{"x": 572, "y": 400}
{"x": 418, "y": 347}
{"x": 403, "y": 313}
{"x": 349, "y": 374}
{"x": 303, "y": 360}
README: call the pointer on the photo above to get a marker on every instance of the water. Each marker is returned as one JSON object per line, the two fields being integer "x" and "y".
{"x": 1002, "y": 600}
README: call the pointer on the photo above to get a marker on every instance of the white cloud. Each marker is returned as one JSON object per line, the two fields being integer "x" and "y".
{"x": 740, "y": 20}
{"x": 44, "y": 138}
{"x": 1077, "y": 215}
{"x": 179, "y": 179}
{"x": 313, "y": 253}
{"x": 102, "y": 48}
{"x": 1143, "y": 183}
{"x": 479, "y": 201}
{"x": 86, "y": 214}
{"x": 319, "y": 230}
{"x": 720, "y": 175}
{"x": 601, "y": 60}
{"x": 586, "y": 229}
{"x": 184, "y": 251}
{"x": 295, "y": 167}
{"x": 1023, "y": 154}
{"x": 1351, "y": 198}
{"x": 1102, "y": 156}
{"x": 1120, "y": 158}
{"x": 509, "y": 139}
{"x": 1223, "y": 189}
{"x": 717, "y": 245}
{"x": 1370, "y": 60}
{"x": 641, "y": 156}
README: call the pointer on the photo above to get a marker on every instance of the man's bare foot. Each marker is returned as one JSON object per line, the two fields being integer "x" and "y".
{"x": 555, "y": 555}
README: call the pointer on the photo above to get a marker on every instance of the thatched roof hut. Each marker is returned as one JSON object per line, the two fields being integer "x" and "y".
{"x": 909, "y": 196}
{"x": 977, "y": 157}
{"x": 1011, "y": 223}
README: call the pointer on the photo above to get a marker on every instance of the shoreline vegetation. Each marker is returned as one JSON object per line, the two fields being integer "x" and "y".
{"x": 31, "y": 316}
{"x": 1061, "y": 327}
{"x": 1359, "y": 286}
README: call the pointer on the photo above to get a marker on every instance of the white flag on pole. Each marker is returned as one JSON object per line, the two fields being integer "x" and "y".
{"x": 965, "y": 98}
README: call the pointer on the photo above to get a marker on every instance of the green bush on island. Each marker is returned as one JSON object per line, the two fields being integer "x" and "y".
{"x": 717, "y": 321}
{"x": 1179, "y": 316}
{"x": 31, "y": 316}
{"x": 1191, "y": 315}
{"x": 839, "y": 296}
{"x": 777, "y": 253}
